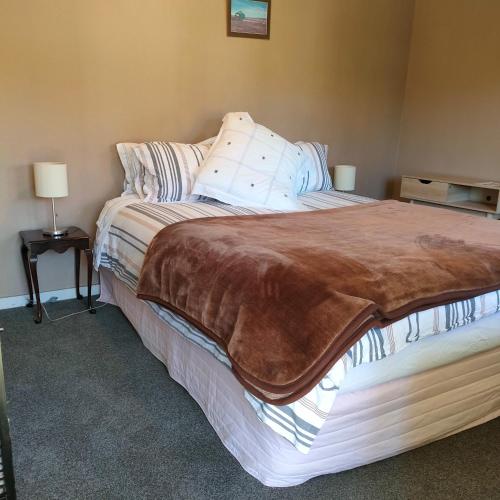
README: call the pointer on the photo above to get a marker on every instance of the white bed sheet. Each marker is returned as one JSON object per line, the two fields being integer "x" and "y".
{"x": 383, "y": 409}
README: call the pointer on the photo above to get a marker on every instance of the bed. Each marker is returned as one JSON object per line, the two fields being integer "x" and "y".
{"x": 443, "y": 375}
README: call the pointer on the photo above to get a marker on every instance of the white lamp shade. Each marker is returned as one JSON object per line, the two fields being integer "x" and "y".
{"x": 51, "y": 179}
{"x": 344, "y": 177}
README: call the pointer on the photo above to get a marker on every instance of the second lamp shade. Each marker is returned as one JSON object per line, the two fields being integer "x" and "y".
{"x": 344, "y": 177}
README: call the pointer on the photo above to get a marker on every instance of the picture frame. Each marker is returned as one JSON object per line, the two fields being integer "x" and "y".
{"x": 249, "y": 18}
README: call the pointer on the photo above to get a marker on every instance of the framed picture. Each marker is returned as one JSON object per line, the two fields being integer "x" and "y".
{"x": 249, "y": 18}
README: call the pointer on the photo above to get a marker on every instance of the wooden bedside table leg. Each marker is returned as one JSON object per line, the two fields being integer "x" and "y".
{"x": 77, "y": 273}
{"x": 37, "y": 316}
{"x": 90, "y": 260}
{"x": 24, "y": 254}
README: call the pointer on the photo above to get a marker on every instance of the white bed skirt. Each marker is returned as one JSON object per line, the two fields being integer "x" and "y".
{"x": 365, "y": 425}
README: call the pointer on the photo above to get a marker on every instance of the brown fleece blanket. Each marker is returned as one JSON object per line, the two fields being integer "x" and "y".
{"x": 286, "y": 295}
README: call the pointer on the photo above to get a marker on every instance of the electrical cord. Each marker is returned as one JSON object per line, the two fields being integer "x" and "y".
{"x": 54, "y": 299}
{"x": 53, "y": 320}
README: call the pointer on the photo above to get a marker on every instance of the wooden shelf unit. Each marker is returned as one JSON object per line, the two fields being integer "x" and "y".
{"x": 475, "y": 195}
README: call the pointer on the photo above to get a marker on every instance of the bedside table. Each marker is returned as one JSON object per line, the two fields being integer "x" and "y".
{"x": 34, "y": 243}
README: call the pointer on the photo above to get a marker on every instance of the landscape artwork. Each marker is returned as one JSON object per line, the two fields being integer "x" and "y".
{"x": 249, "y": 18}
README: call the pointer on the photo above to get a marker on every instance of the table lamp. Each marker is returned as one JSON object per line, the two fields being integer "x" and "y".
{"x": 344, "y": 177}
{"x": 51, "y": 181}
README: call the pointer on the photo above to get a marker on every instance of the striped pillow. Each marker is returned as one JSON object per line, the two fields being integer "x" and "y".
{"x": 170, "y": 169}
{"x": 134, "y": 171}
{"x": 314, "y": 175}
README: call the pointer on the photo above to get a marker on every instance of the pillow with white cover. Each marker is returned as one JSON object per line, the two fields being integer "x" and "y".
{"x": 134, "y": 171}
{"x": 250, "y": 165}
{"x": 170, "y": 169}
{"x": 314, "y": 175}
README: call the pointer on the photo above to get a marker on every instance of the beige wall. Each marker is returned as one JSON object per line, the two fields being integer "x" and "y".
{"x": 451, "y": 118}
{"x": 77, "y": 76}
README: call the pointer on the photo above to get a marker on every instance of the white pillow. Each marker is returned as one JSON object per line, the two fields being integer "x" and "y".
{"x": 250, "y": 165}
{"x": 314, "y": 174}
{"x": 134, "y": 171}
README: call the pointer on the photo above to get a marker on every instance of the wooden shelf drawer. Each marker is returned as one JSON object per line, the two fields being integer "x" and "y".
{"x": 457, "y": 192}
{"x": 424, "y": 189}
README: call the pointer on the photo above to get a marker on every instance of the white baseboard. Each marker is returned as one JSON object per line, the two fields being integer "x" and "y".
{"x": 66, "y": 293}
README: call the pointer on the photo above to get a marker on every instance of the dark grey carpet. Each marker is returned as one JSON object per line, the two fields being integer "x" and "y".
{"x": 94, "y": 415}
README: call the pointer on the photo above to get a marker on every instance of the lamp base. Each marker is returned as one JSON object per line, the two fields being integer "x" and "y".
{"x": 55, "y": 233}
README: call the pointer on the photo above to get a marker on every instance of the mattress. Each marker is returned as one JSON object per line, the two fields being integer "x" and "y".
{"x": 423, "y": 393}
{"x": 127, "y": 225}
